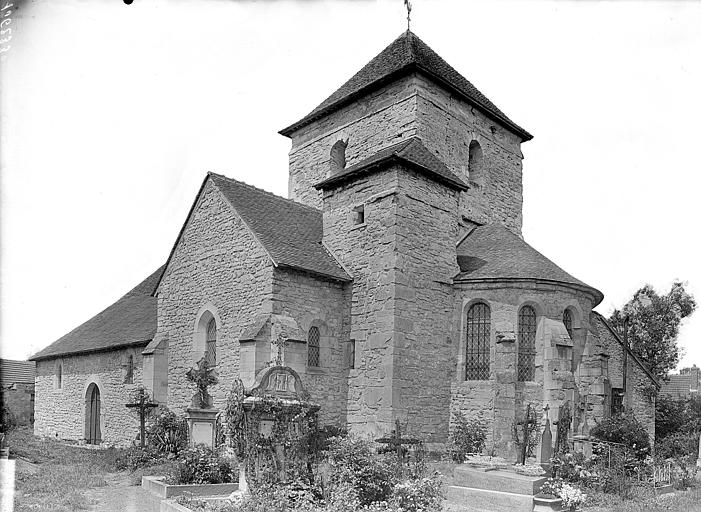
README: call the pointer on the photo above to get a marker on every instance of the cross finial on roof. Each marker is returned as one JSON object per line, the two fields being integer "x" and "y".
{"x": 407, "y": 4}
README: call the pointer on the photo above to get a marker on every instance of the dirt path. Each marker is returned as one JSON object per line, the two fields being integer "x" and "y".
{"x": 120, "y": 496}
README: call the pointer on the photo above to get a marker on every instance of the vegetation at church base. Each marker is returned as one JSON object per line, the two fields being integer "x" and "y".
{"x": 53, "y": 476}
{"x": 468, "y": 436}
{"x": 351, "y": 476}
{"x": 626, "y": 431}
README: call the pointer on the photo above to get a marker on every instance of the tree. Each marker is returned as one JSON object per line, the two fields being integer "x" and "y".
{"x": 654, "y": 325}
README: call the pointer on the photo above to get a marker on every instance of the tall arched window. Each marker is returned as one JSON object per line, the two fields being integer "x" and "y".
{"x": 313, "y": 346}
{"x": 475, "y": 164}
{"x": 526, "y": 343}
{"x": 567, "y": 320}
{"x": 129, "y": 367}
{"x": 477, "y": 342}
{"x": 338, "y": 156}
{"x": 210, "y": 355}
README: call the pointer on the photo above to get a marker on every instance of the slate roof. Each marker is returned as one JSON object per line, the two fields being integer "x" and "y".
{"x": 405, "y": 55}
{"x": 290, "y": 232}
{"x": 16, "y": 372}
{"x": 493, "y": 252}
{"x": 411, "y": 152}
{"x": 131, "y": 321}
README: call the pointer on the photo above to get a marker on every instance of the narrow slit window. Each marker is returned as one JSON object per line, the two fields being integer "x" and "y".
{"x": 313, "y": 347}
{"x": 359, "y": 215}
{"x": 129, "y": 374}
{"x": 210, "y": 356}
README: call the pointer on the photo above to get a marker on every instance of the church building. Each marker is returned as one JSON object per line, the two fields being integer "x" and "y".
{"x": 396, "y": 272}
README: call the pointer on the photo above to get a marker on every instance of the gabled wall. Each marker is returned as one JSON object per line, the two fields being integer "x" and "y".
{"x": 60, "y": 411}
{"x": 217, "y": 264}
{"x": 313, "y": 301}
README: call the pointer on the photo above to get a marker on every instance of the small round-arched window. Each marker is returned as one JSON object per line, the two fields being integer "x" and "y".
{"x": 210, "y": 355}
{"x": 313, "y": 346}
{"x": 567, "y": 320}
{"x": 475, "y": 165}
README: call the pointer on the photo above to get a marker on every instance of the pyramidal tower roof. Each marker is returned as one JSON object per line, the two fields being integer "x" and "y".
{"x": 405, "y": 55}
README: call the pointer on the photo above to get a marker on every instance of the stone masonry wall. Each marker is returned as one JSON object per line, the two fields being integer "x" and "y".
{"x": 381, "y": 119}
{"x": 317, "y": 302}
{"x": 60, "y": 412}
{"x": 502, "y": 398}
{"x": 635, "y": 400}
{"x": 415, "y": 106}
{"x": 368, "y": 251}
{"x": 216, "y": 265}
{"x": 447, "y": 124}
{"x": 426, "y": 229}
{"x": 19, "y": 399}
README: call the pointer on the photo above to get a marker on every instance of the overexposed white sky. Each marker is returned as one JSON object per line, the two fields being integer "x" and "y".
{"x": 111, "y": 115}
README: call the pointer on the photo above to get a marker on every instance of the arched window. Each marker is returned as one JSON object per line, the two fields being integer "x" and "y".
{"x": 477, "y": 342}
{"x": 313, "y": 347}
{"x": 526, "y": 343}
{"x": 59, "y": 376}
{"x": 475, "y": 165}
{"x": 567, "y": 320}
{"x": 129, "y": 374}
{"x": 338, "y": 156}
{"x": 210, "y": 354}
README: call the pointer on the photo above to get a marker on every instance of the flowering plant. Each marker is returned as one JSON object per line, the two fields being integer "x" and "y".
{"x": 571, "y": 496}
{"x": 551, "y": 487}
{"x": 528, "y": 469}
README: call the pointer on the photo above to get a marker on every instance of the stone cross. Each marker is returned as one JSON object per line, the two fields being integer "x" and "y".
{"x": 143, "y": 404}
{"x": 396, "y": 440}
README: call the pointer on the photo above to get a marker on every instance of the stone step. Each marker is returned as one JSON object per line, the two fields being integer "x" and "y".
{"x": 498, "y": 480}
{"x": 488, "y": 500}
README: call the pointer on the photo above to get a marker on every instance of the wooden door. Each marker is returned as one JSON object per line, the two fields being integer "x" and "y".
{"x": 92, "y": 415}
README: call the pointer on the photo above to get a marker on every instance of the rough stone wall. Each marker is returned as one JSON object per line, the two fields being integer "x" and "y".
{"x": 637, "y": 380}
{"x": 426, "y": 229}
{"x": 317, "y": 302}
{"x": 368, "y": 251}
{"x": 380, "y": 119}
{"x": 415, "y": 106}
{"x": 61, "y": 412}
{"x": 502, "y": 398}
{"x": 447, "y": 124}
{"x": 217, "y": 263}
{"x": 19, "y": 399}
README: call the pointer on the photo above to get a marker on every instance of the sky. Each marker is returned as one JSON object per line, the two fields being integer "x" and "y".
{"x": 112, "y": 114}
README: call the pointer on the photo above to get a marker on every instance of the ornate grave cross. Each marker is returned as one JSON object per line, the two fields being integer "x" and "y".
{"x": 203, "y": 376}
{"x": 396, "y": 440}
{"x": 143, "y": 404}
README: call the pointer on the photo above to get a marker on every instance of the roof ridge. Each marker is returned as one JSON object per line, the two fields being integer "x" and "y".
{"x": 258, "y": 189}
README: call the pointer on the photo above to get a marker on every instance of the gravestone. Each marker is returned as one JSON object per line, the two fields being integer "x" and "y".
{"x": 275, "y": 408}
{"x": 201, "y": 416}
{"x": 546, "y": 441}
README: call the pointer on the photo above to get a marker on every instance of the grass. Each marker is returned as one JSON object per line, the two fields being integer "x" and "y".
{"x": 53, "y": 476}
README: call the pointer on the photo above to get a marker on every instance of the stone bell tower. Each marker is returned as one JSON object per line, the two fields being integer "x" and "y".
{"x": 407, "y": 91}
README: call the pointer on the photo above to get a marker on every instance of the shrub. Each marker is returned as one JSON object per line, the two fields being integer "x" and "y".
{"x": 168, "y": 433}
{"x": 135, "y": 458}
{"x": 202, "y": 465}
{"x": 678, "y": 445}
{"x": 421, "y": 495}
{"x": 626, "y": 431}
{"x": 320, "y": 439}
{"x": 352, "y": 461}
{"x": 468, "y": 436}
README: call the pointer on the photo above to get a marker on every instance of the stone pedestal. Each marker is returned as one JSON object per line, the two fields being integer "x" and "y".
{"x": 201, "y": 426}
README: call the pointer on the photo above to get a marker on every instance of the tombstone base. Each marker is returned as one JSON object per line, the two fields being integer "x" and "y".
{"x": 201, "y": 426}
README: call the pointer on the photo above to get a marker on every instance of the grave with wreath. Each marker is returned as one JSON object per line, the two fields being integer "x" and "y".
{"x": 269, "y": 427}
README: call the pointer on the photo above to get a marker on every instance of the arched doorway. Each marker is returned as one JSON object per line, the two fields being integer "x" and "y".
{"x": 92, "y": 415}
